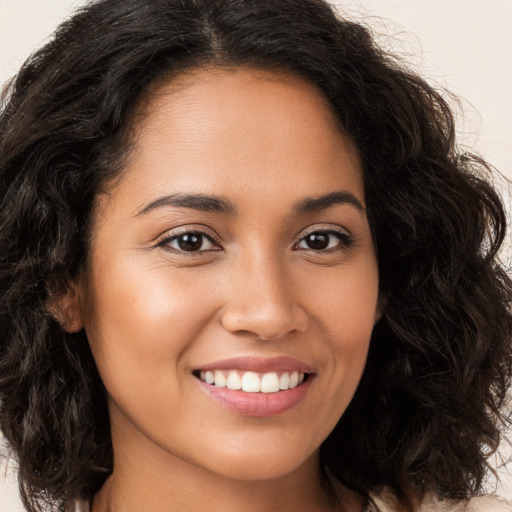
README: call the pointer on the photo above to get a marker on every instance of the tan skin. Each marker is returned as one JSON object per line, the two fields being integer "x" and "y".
{"x": 252, "y": 285}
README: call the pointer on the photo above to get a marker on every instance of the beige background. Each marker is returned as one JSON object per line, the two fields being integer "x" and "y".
{"x": 462, "y": 45}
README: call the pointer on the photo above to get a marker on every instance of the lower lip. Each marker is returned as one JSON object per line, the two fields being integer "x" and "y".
{"x": 263, "y": 405}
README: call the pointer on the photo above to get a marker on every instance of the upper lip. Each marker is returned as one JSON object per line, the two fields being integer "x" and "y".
{"x": 259, "y": 365}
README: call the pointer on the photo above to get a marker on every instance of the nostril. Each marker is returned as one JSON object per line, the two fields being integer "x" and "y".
{"x": 264, "y": 316}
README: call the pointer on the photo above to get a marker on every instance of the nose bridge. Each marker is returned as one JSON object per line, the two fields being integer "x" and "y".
{"x": 262, "y": 298}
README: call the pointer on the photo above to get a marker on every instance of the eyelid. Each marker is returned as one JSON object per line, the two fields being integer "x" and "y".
{"x": 329, "y": 229}
{"x": 174, "y": 233}
{"x": 324, "y": 228}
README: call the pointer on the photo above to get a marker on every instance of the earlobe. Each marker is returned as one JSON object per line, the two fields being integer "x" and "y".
{"x": 64, "y": 305}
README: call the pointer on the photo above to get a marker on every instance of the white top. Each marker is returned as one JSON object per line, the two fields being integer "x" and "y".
{"x": 387, "y": 502}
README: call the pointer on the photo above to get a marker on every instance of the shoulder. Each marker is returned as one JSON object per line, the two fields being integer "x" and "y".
{"x": 489, "y": 503}
{"x": 81, "y": 506}
{"x": 385, "y": 501}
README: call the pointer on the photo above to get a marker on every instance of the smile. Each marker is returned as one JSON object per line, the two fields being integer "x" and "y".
{"x": 255, "y": 386}
{"x": 253, "y": 382}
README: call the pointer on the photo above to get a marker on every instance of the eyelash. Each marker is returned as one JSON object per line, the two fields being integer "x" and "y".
{"x": 193, "y": 231}
{"x": 345, "y": 241}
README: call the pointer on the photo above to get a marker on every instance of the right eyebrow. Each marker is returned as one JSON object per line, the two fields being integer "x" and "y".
{"x": 201, "y": 202}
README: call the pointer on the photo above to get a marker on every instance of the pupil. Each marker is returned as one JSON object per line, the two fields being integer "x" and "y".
{"x": 318, "y": 241}
{"x": 190, "y": 242}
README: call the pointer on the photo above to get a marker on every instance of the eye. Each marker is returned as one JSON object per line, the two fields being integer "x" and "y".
{"x": 190, "y": 241}
{"x": 325, "y": 240}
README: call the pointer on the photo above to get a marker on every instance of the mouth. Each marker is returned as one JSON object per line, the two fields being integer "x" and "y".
{"x": 252, "y": 382}
{"x": 251, "y": 386}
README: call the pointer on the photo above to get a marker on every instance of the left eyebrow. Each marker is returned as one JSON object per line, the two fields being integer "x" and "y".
{"x": 314, "y": 204}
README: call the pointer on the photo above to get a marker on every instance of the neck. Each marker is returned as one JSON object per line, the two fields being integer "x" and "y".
{"x": 193, "y": 491}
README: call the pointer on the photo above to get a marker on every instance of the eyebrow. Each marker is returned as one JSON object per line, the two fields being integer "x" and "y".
{"x": 219, "y": 204}
{"x": 202, "y": 202}
{"x": 314, "y": 204}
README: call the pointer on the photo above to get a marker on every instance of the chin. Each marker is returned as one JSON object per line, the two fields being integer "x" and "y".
{"x": 261, "y": 464}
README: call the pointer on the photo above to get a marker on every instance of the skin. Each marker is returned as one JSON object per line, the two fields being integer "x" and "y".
{"x": 154, "y": 313}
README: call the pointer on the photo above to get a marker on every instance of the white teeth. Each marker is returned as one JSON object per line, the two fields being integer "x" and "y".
{"x": 220, "y": 380}
{"x": 234, "y": 381}
{"x": 284, "y": 381}
{"x": 270, "y": 383}
{"x": 294, "y": 380}
{"x": 251, "y": 382}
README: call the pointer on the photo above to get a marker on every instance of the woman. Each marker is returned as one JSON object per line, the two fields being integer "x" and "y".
{"x": 244, "y": 268}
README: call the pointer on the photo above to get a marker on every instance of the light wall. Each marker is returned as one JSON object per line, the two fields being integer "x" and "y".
{"x": 463, "y": 45}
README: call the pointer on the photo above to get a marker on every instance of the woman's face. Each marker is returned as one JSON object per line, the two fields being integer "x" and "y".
{"x": 234, "y": 248}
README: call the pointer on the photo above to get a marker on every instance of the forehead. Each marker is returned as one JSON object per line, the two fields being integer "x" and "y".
{"x": 217, "y": 91}
{"x": 245, "y": 130}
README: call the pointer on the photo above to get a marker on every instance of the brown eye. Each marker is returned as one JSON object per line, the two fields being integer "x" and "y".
{"x": 190, "y": 242}
{"x": 193, "y": 241}
{"x": 324, "y": 240}
{"x": 317, "y": 241}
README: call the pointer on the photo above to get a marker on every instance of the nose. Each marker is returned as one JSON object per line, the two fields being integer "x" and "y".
{"x": 263, "y": 302}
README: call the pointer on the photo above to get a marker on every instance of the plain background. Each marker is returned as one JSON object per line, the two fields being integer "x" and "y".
{"x": 464, "y": 46}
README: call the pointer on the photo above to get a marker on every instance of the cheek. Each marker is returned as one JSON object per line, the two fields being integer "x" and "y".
{"x": 140, "y": 320}
{"x": 345, "y": 309}
{"x": 346, "y": 303}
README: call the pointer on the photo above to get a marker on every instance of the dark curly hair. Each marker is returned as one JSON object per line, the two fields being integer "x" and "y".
{"x": 430, "y": 406}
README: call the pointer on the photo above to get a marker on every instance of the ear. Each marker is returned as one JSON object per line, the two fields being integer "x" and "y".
{"x": 64, "y": 304}
{"x": 379, "y": 310}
